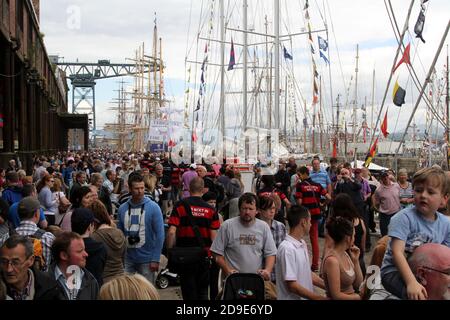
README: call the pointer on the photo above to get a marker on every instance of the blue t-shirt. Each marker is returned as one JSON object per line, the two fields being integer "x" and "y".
{"x": 13, "y": 215}
{"x": 408, "y": 225}
{"x": 320, "y": 177}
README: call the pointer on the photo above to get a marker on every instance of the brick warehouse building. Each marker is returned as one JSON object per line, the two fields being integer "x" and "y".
{"x": 33, "y": 92}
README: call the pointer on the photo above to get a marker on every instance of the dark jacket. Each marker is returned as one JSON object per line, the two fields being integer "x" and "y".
{"x": 353, "y": 189}
{"x": 89, "y": 287}
{"x": 46, "y": 287}
{"x": 105, "y": 198}
{"x": 96, "y": 259}
{"x": 283, "y": 177}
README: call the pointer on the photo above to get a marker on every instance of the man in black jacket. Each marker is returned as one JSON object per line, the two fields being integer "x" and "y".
{"x": 82, "y": 222}
{"x": 22, "y": 282}
{"x": 69, "y": 271}
{"x": 346, "y": 184}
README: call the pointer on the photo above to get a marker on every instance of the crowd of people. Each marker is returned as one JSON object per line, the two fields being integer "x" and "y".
{"x": 88, "y": 226}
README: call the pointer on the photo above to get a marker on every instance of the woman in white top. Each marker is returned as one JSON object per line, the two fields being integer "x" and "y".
{"x": 48, "y": 202}
{"x": 61, "y": 198}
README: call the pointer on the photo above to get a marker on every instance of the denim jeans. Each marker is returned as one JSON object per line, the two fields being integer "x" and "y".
{"x": 141, "y": 268}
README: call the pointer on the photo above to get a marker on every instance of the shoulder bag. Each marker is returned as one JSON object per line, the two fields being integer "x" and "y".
{"x": 181, "y": 258}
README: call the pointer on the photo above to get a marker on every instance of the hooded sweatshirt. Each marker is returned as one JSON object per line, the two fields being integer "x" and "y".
{"x": 144, "y": 223}
{"x": 115, "y": 244}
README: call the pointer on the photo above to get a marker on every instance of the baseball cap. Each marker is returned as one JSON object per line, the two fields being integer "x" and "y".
{"x": 193, "y": 166}
{"x": 29, "y": 204}
{"x": 384, "y": 173}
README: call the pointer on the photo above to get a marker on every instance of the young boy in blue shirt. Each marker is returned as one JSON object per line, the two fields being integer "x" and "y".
{"x": 412, "y": 227}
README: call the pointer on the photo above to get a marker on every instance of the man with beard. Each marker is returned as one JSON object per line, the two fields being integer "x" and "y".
{"x": 245, "y": 244}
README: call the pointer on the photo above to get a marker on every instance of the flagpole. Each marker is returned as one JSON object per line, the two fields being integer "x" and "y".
{"x": 405, "y": 28}
{"x": 373, "y": 99}
{"x": 245, "y": 76}
{"x": 356, "y": 96}
{"x": 329, "y": 68}
{"x": 222, "y": 78}
{"x": 277, "y": 63}
{"x": 447, "y": 101}
{"x": 424, "y": 86}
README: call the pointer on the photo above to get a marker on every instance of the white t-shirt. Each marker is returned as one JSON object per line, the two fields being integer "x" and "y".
{"x": 292, "y": 265}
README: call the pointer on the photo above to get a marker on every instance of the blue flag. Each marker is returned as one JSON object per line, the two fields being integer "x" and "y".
{"x": 286, "y": 54}
{"x": 324, "y": 57}
{"x": 323, "y": 44}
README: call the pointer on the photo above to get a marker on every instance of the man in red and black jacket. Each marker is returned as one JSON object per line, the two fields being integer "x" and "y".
{"x": 194, "y": 280}
{"x": 307, "y": 194}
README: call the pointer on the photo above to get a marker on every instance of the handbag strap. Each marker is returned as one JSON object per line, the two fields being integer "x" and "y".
{"x": 188, "y": 210}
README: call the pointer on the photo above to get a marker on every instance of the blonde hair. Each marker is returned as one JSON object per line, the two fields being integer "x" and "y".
{"x": 434, "y": 175}
{"x": 150, "y": 183}
{"x": 128, "y": 287}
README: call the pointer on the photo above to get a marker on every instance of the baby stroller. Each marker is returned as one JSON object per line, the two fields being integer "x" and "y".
{"x": 247, "y": 286}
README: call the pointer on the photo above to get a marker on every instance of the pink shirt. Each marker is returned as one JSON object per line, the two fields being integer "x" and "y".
{"x": 389, "y": 198}
{"x": 187, "y": 178}
{"x": 216, "y": 167}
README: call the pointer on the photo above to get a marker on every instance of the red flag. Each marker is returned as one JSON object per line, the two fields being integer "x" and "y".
{"x": 194, "y": 136}
{"x": 384, "y": 126}
{"x": 405, "y": 58}
{"x": 172, "y": 143}
{"x": 371, "y": 154}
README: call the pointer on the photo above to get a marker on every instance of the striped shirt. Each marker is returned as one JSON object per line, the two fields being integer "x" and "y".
{"x": 279, "y": 234}
{"x": 310, "y": 193}
{"x": 320, "y": 177}
{"x": 205, "y": 217}
{"x": 278, "y": 231}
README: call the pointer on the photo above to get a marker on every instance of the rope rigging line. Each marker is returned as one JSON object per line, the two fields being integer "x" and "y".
{"x": 412, "y": 72}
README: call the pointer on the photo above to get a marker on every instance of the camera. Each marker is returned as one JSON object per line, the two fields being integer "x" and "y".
{"x": 132, "y": 240}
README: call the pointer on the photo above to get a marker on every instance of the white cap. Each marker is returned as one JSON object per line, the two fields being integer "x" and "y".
{"x": 193, "y": 166}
